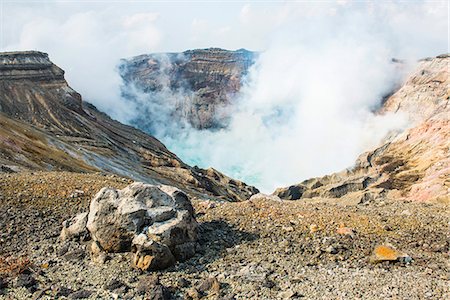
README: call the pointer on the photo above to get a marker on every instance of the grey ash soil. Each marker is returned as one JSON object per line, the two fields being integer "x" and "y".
{"x": 259, "y": 249}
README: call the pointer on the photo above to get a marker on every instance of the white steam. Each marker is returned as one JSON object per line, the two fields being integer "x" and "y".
{"x": 302, "y": 114}
{"x": 307, "y": 107}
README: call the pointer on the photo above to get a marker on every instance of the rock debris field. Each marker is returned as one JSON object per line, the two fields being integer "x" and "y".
{"x": 262, "y": 248}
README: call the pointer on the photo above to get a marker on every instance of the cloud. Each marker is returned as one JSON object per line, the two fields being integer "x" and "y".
{"x": 88, "y": 46}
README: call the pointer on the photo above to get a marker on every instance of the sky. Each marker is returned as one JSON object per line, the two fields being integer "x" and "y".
{"x": 324, "y": 65}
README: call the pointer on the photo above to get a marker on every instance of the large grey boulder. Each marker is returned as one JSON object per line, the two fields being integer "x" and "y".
{"x": 156, "y": 223}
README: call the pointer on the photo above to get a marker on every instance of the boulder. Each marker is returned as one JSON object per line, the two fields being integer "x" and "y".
{"x": 74, "y": 228}
{"x": 156, "y": 223}
{"x": 294, "y": 192}
{"x": 98, "y": 255}
{"x": 151, "y": 255}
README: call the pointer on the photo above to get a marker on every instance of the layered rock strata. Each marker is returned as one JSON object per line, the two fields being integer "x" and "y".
{"x": 202, "y": 83}
{"x": 42, "y": 116}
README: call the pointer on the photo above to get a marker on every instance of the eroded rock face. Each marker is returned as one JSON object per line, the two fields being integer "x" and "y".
{"x": 203, "y": 80}
{"x": 30, "y": 65}
{"x": 156, "y": 223}
{"x": 425, "y": 92}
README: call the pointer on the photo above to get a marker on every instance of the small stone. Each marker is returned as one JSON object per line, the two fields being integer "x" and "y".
{"x": 313, "y": 228}
{"x": 147, "y": 284}
{"x": 288, "y": 228}
{"x": 387, "y": 228}
{"x": 183, "y": 283}
{"x": 27, "y": 281}
{"x": 63, "y": 250}
{"x": 100, "y": 258}
{"x": 406, "y": 212}
{"x": 116, "y": 285}
{"x": 96, "y": 248}
{"x": 289, "y": 294}
{"x": 252, "y": 274}
{"x": 405, "y": 259}
{"x": 75, "y": 255}
{"x": 151, "y": 255}
{"x": 159, "y": 292}
{"x": 81, "y": 294}
{"x": 386, "y": 253}
{"x": 193, "y": 294}
{"x": 63, "y": 291}
{"x": 331, "y": 250}
{"x": 342, "y": 230}
{"x": 76, "y": 194}
{"x": 268, "y": 284}
{"x": 209, "y": 284}
{"x": 3, "y": 284}
{"x": 75, "y": 228}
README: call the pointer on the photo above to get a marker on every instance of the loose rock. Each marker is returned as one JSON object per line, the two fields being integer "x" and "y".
{"x": 209, "y": 284}
{"x": 388, "y": 253}
{"x": 155, "y": 222}
{"x": 74, "y": 228}
{"x": 82, "y": 294}
{"x": 27, "y": 281}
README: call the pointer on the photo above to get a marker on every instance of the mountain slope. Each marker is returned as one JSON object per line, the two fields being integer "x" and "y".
{"x": 415, "y": 164}
{"x": 58, "y": 131}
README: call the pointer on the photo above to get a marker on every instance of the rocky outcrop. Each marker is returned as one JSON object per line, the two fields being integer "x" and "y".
{"x": 75, "y": 228}
{"x": 425, "y": 92}
{"x": 203, "y": 81}
{"x": 412, "y": 165}
{"x": 45, "y": 125}
{"x": 156, "y": 223}
{"x": 29, "y": 65}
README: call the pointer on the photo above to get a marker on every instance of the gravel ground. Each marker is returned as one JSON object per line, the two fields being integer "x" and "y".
{"x": 259, "y": 249}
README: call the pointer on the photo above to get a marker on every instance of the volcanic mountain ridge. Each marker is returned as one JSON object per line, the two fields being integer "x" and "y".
{"x": 45, "y": 125}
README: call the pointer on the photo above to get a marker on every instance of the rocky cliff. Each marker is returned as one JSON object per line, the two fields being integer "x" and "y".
{"x": 47, "y": 126}
{"x": 202, "y": 83}
{"x": 30, "y": 65}
{"x": 413, "y": 165}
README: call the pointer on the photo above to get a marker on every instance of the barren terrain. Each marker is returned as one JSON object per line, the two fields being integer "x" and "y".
{"x": 256, "y": 249}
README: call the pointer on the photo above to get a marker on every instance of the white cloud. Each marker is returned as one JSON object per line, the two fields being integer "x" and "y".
{"x": 139, "y": 19}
